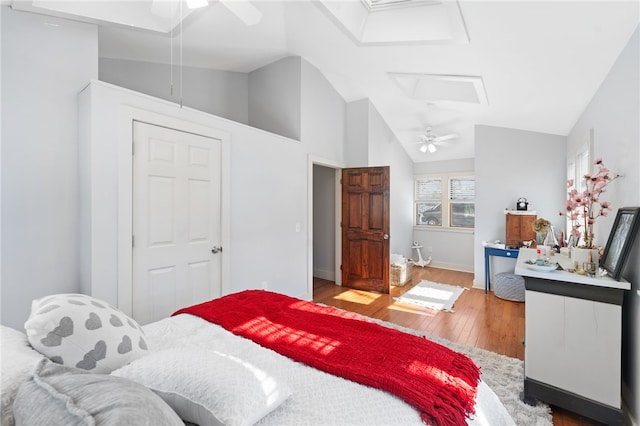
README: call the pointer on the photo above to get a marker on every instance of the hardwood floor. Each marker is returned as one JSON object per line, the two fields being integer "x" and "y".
{"x": 479, "y": 320}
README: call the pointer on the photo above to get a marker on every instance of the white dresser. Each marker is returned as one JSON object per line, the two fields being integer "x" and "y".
{"x": 573, "y": 339}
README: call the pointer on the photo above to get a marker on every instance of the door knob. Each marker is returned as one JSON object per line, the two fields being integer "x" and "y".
{"x": 385, "y": 236}
{"x": 216, "y": 249}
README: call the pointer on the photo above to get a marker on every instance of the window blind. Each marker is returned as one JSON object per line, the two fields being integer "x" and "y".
{"x": 461, "y": 189}
{"x": 428, "y": 189}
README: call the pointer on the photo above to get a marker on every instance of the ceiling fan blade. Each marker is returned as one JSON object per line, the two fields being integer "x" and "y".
{"x": 445, "y": 137}
{"x": 244, "y": 10}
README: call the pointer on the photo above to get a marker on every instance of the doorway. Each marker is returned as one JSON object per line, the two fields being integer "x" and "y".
{"x": 324, "y": 212}
{"x": 324, "y": 223}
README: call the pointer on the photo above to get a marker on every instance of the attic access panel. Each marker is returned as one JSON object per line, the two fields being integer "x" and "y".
{"x": 438, "y": 87}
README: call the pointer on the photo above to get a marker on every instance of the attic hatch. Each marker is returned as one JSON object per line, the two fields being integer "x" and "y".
{"x": 375, "y": 22}
{"x": 435, "y": 87}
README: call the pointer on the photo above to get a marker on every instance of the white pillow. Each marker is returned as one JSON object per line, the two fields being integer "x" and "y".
{"x": 19, "y": 363}
{"x": 208, "y": 387}
{"x": 80, "y": 331}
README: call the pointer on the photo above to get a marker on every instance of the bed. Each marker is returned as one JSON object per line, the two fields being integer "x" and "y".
{"x": 188, "y": 369}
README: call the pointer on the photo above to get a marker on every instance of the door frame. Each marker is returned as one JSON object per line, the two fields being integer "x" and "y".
{"x": 337, "y": 167}
{"x": 125, "y": 195}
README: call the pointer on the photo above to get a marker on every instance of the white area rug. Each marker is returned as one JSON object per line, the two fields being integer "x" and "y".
{"x": 503, "y": 374}
{"x": 432, "y": 295}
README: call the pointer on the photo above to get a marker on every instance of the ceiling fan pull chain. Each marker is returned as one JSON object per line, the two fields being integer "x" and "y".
{"x": 181, "y": 34}
{"x": 171, "y": 60}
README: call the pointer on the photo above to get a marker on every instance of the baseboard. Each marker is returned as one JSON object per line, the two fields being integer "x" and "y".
{"x": 450, "y": 266}
{"x": 478, "y": 284}
{"x": 325, "y": 275}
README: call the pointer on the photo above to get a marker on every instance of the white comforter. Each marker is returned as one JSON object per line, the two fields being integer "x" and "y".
{"x": 318, "y": 398}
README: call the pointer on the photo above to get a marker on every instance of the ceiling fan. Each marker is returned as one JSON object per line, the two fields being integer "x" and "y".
{"x": 429, "y": 140}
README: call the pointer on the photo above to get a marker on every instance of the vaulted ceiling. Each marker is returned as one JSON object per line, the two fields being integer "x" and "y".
{"x": 448, "y": 65}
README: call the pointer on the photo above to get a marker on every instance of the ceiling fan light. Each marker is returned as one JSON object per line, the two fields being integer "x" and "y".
{"x": 432, "y": 148}
{"x": 423, "y": 148}
{"x": 197, "y": 4}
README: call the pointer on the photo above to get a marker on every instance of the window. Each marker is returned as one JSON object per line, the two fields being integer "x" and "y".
{"x": 445, "y": 201}
{"x": 578, "y": 164}
{"x": 462, "y": 194}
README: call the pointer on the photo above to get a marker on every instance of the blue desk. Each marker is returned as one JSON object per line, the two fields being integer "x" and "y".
{"x": 492, "y": 251}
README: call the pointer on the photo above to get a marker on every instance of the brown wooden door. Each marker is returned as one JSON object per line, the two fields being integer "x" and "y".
{"x": 365, "y": 228}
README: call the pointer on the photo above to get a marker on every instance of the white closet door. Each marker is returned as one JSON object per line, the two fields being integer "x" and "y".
{"x": 176, "y": 220}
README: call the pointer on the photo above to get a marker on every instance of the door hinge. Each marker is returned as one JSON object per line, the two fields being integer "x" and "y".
{"x": 341, "y": 267}
{"x": 133, "y": 241}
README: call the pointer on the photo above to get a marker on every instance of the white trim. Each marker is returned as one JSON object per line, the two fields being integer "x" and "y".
{"x": 338, "y": 235}
{"x": 338, "y": 166}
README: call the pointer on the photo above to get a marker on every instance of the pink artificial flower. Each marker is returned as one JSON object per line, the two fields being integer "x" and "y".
{"x": 580, "y": 208}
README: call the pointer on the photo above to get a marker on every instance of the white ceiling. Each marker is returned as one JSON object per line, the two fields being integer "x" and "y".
{"x": 540, "y": 61}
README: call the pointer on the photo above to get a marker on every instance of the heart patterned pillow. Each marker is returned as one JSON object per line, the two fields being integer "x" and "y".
{"x": 80, "y": 331}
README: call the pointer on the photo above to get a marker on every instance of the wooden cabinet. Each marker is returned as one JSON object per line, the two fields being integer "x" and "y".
{"x": 519, "y": 227}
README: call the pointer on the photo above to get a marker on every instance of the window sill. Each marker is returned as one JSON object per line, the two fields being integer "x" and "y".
{"x": 444, "y": 229}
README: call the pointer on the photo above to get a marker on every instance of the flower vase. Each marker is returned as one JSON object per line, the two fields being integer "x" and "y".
{"x": 540, "y": 238}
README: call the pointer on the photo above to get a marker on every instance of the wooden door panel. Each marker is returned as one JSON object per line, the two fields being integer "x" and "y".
{"x": 355, "y": 214}
{"x": 365, "y": 210}
{"x": 355, "y": 258}
{"x": 377, "y": 181}
{"x": 376, "y": 212}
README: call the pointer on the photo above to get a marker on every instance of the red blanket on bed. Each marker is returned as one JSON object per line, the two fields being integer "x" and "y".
{"x": 439, "y": 382}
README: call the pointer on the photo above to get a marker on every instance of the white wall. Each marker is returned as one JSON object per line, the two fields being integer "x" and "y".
{"x": 511, "y": 164}
{"x": 323, "y": 115}
{"x": 221, "y": 93}
{"x": 275, "y": 97}
{"x": 356, "y": 149}
{"x": 45, "y": 62}
{"x": 449, "y": 249}
{"x": 614, "y": 114}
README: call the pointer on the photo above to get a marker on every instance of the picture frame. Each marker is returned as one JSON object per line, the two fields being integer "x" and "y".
{"x": 620, "y": 241}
